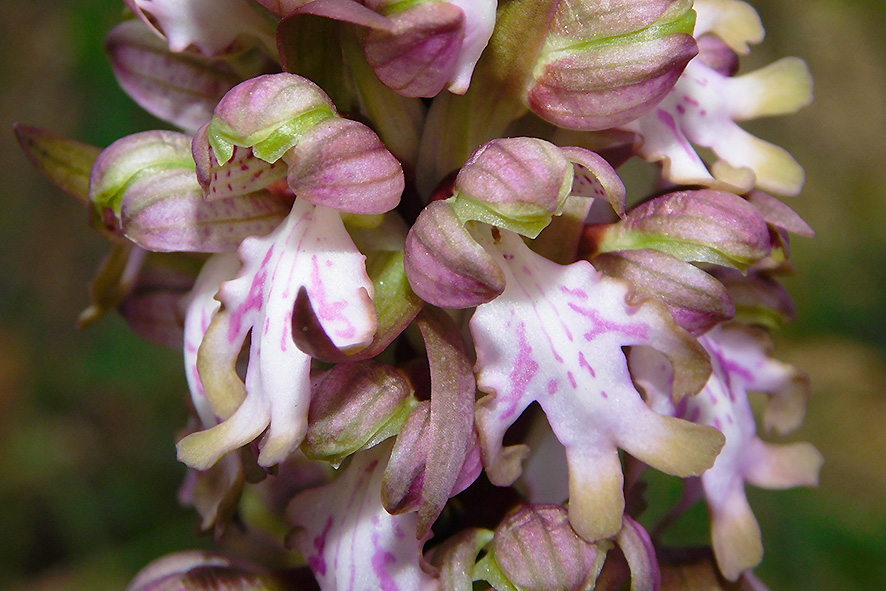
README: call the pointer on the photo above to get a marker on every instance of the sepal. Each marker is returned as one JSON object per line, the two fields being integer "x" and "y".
{"x": 182, "y": 88}
{"x": 535, "y": 549}
{"x": 605, "y": 65}
{"x": 354, "y": 406}
{"x": 65, "y": 162}
{"x": 697, "y": 226}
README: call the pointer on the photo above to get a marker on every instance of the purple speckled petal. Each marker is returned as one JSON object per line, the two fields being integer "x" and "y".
{"x": 348, "y": 539}
{"x": 595, "y": 178}
{"x": 445, "y": 265}
{"x": 243, "y": 174}
{"x": 555, "y": 336}
{"x": 213, "y": 27}
{"x": 741, "y": 363}
{"x": 182, "y": 88}
{"x": 311, "y": 249}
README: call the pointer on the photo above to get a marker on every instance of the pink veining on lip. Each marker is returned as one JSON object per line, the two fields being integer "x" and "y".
{"x": 525, "y": 368}
{"x": 668, "y": 120}
{"x": 637, "y": 330}
{"x": 326, "y": 310}
{"x": 254, "y": 300}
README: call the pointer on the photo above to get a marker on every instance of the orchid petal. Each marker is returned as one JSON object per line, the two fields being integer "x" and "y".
{"x": 578, "y": 374}
{"x": 243, "y": 174}
{"x": 311, "y": 249}
{"x": 346, "y": 536}
{"x": 182, "y": 88}
{"x": 342, "y": 164}
{"x": 439, "y": 465}
{"x": 151, "y": 308}
{"x": 741, "y": 363}
{"x": 418, "y": 56}
{"x": 606, "y": 64}
{"x": 478, "y": 26}
{"x": 635, "y": 544}
{"x": 212, "y": 26}
{"x": 200, "y": 307}
{"x": 703, "y": 107}
{"x": 733, "y": 21}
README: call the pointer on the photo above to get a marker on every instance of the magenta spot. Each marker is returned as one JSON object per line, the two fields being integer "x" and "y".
{"x": 244, "y": 167}
{"x": 718, "y": 424}
{"x": 582, "y": 362}
{"x": 604, "y": 394}
{"x": 254, "y": 299}
{"x": 327, "y": 310}
{"x": 526, "y": 270}
{"x": 572, "y": 380}
{"x": 553, "y": 386}
{"x": 729, "y": 419}
{"x": 681, "y": 109}
{"x": 525, "y": 368}
{"x": 636, "y": 330}
{"x": 690, "y": 100}
{"x": 712, "y": 398}
{"x": 318, "y": 562}
{"x": 703, "y": 112}
{"x": 668, "y": 120}
{"x": 578, "y": 292}
{"x": 381, "y": 561}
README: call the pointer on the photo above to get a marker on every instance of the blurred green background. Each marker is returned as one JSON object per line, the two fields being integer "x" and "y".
{"x": 88, "y": 475}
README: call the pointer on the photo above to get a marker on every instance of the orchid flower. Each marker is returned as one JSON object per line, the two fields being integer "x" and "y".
{"x": 704, "y": 107}
{"x": 741, "y": 364}
{"x": 429, "y": 333}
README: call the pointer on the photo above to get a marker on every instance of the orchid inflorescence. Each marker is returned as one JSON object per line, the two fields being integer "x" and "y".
{"x": 423, "y": 323}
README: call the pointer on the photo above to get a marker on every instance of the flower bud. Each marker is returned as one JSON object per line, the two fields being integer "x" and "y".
{"x": 353, "y": 406}
{"x": 280, "y": 125}
{"x": 201, "y": 571}
{"x": 698, "y": 226}
{"x": 131, "y": 159}
{"x": 605, "y": 64}
{"x": 696, "y": 300}
{"x": 537, "y": 550}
